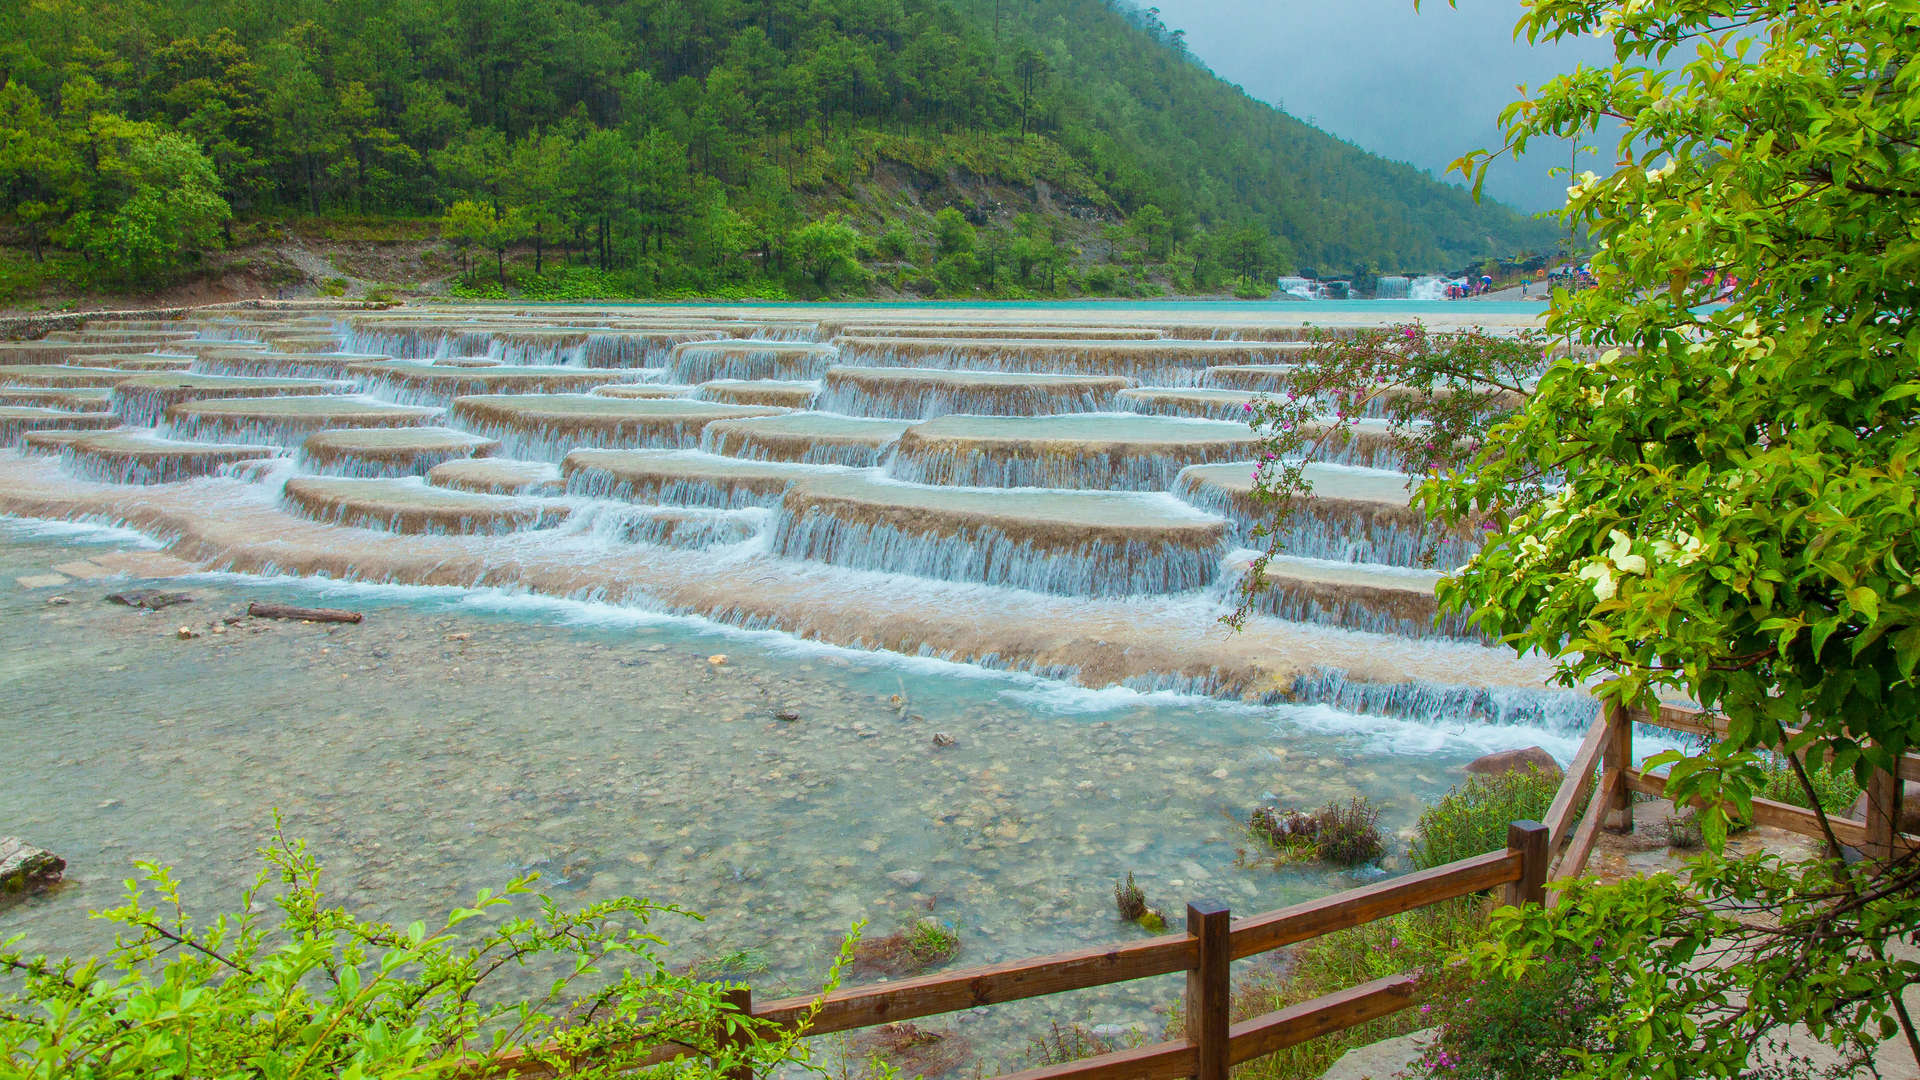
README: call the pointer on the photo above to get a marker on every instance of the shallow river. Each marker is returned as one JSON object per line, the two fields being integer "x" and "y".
{"x": 456, "y": 739}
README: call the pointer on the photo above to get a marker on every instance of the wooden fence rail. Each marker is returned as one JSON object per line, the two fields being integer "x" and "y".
{"x": 1608, "y": 746}
{"x": 1209, "y": 1045}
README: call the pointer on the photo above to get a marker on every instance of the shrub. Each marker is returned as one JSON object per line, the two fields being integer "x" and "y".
{"x": 1349, "y": 835}
{"x": 1063, "y": 1044}
{"x": 1521, "y": 1029}
{"x": 1251, "y": 291}
{"x": 932, "y": 942}
{"x": 1345, "y": 835}
{"x": 1423, "y": 940}
{"x": 295, "y": 987}
{"x": 334, "y": 286}
{"x": 1472, "y": 819}
{"x": 1835, "y": 788}
{"x": 1130, "y": 898}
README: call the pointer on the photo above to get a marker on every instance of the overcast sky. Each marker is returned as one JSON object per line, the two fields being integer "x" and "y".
{"x": 1422, "y": 88}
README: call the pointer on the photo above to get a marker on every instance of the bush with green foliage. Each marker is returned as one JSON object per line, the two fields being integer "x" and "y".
{"x": 1343, "y": 834}
{"x": 1472, "y": 818}
{"x": 1522, "y": 1029}
{"x": 1424, "y": 940}
{"x": 292, "y": 986}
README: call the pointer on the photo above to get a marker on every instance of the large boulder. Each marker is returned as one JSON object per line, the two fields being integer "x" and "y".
{"x": 24, "y": 867}
{"x": 1507, "y": 761}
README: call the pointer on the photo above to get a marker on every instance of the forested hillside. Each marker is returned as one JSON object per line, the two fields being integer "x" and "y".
{"x": 1003, "y": 147}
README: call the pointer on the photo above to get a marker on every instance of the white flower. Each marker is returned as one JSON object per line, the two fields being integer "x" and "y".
{"x": 1621, "y": 554}
{"x": 1602, "y": 577}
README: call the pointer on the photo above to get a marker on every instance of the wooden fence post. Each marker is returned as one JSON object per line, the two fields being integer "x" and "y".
{"x": 1210, "y": 986}
{"x": 1883, "y": 813}
{"x": 1529, "y": 839}
{"x": 740, "y": 1001}
{"x": 1616, "y": 757}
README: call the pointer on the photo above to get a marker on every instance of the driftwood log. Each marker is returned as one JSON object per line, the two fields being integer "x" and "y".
{"x": 24, "y": 867}
{"x": 307, "y": 614}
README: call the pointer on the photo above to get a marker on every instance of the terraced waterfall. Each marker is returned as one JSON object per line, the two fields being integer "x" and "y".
{"x": 1067, "y": 497}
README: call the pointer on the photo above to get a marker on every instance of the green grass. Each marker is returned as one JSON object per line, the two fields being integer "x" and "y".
{"x": 1472, "y": 819}
{"x": 932, "y": 942}
{"x": 1836, "y": 789}
{"x": 1424, "y": 939}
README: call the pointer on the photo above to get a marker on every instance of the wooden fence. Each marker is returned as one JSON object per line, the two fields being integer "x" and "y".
{"x": 1608, "y": 746}
{"x": 1213, "y": 939}
{"x": 1209, "y": 1045}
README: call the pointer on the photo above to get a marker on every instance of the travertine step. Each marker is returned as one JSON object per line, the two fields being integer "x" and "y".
{"x": 136, "y": 457}
{"x": 706, "y": 361}
{"x": 287, "y": 421}
{"x": 143, "y": 399}
{"x": 546, "y": 426}
{"x": 787, "y": 395}
{"x": 1357, "y": 596}
{"x": 1157, "y": 360}
{"x": 810, "y": 438}
{"x": 1252, "y": 378}
{"x": 51, "y": 441}
{"x": 1350, "y": 515}
{"x": 643, "y": 391}
{"x": 17, "y": 420}
{"x": 1188, "y": 401}
{"x": 410, "y": 506}
{"x": 72, "y": 399}
{"x": 402, "y": 451}
{"x": 1105, "y": 452}
{"x": 414, "y": 383}
{"x": 59, "y": 375}
{"x": 923, "y": 393}
{"x": 254, "y": 362}
{"x": 1075, "y": 542}
{"x": 498, "y": 476}
{"x": 682, "y": 477}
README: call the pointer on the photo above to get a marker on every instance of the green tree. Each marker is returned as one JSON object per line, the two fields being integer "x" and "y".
{"x": 36, "y": 165}
{"x": 156, "y": 203}
{"x": 1720, "y": 504}
{"x": 823, "y": 250}
{"x": 952, "y": 233}
{"x": 1153, "y": 230}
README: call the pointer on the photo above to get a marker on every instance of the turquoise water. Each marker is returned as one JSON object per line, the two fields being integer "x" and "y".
{"x": 457, "y": 738}
{"x": 1380, "y": 309}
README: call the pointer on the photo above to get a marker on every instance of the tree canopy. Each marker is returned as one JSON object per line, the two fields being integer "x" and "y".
{"x": 616, "y": 127}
